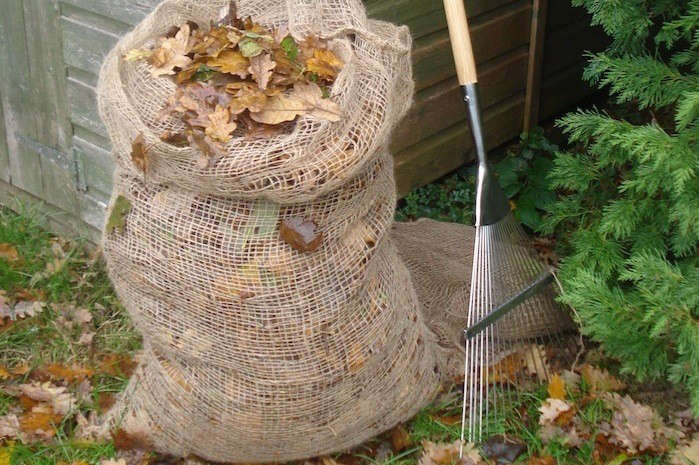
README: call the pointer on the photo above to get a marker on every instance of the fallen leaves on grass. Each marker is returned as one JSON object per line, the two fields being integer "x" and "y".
{"x": 300, "y": 234}
{"x": 636, "y": 427}
{"x": 400, "y": 439}
{"x": 58, "y": 398}
{"x": 448, "y": 454}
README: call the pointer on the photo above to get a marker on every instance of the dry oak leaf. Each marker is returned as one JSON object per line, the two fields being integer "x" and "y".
{"x": 221, "y": 126}
{"x": 230, "y": 62}
{"x": 301, "y": 235}
{"x": 9, "y": 426}
{"x": 324, "y": 63}
{"x": 569, "y": 436}
{"x": 61, "y": 402}
{"x": 40, "y": 422}
{"x": 636, "y": 427}
{"x": 448, "y": 454}
{"x": 172, "y": 53}
{"x": 68, "y": 374}
{"x": 261, "y": 67}
{"x": 139, "y": 154}
{"x": 551, "y": 409}
{"x": 600, "y": 380}
{"x": 246, "y": 96}
{"x": 312, "y": 96}
{"x": 280, "y": 108}
{"x": 8, "y": 252}
{"x": 687, "y": 454}
{"x": 400, "y": 438}
{"x": 23, "y": 309}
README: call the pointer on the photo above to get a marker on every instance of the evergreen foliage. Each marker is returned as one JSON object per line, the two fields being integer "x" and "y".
{"x": 628, "y": 210}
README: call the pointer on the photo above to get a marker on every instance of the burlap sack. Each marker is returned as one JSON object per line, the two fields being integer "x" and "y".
{"x": 255, "y": 352}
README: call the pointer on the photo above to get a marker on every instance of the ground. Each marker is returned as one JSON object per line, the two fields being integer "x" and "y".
{"x": 67, "y": 348}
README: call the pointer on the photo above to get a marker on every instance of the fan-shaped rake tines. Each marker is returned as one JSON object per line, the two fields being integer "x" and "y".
{"x": 517, "y": 335}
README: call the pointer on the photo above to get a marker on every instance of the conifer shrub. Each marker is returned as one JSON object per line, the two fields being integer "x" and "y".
{"x": 628, "y": 206}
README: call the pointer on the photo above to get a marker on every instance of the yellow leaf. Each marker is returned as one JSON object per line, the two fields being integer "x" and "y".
{"x": 138, "y": 54}
{"x": 557, "y": 388}
{"x": 4, "y": 374}
{"x": 230, "y": 62}
{"x": 6, "y": 455}
{"x": 600, "y": 380}
{"x": 324, "y": 63}
{"x": 221, "y": 126}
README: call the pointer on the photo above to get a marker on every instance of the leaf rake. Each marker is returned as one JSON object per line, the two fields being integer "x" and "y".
{"x": 517, "y": 334}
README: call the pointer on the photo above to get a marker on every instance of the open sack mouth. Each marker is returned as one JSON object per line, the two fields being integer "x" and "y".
{"x": 289, "y": 91}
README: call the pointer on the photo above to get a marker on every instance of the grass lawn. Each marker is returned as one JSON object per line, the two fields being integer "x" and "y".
{"x": 64, "y": 333}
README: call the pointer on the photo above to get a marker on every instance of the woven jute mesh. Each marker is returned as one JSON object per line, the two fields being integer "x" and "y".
{"x": 253, "y": 351}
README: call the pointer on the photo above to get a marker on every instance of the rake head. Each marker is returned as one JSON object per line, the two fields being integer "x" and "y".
{"x": 518, "y": 335}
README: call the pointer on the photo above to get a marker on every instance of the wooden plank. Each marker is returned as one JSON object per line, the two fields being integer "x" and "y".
{"x": 16, "y": 87}
{"x": 83, "y": 107}
{"x": 85, "y": 47}
{"x": 443, "y": 153}
{"x": 93, "y": 213}
{"x": 440, "y": 106}
{"x": 562, "y": 13}
{"x": 98, "y": 166}
{"x": 534, "y": 67}
{"x": 54, "y": 219}
{"x": 127, "y": 11}
{"x": 4, "y": 154}
{"x": 48, "y": 99}
{"x": 566, "y": 47}
{"x": 432, "y": 56}
{"x": 425, "y": 17}
{"x": 563, "y": 90}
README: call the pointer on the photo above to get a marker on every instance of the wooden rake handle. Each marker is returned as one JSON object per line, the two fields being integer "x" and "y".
{"x": 461, "y": 41}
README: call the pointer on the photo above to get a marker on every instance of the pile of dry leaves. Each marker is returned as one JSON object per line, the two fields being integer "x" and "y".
{"x": 234, "y": 74}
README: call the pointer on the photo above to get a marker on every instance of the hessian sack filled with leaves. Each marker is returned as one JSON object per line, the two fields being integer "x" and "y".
{"x": 249, "y": 233}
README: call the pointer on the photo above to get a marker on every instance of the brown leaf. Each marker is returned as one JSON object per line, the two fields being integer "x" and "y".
{"x": 172, "y": 53}
{"x": 207, "y": 150}
{"x": 448, "y": 454}
{"x": 23, "y": 309}
{"x": 636, "y": 427}
{"x": 557, "y": 388}
{"x": 600, "y": 380}
{"x": 68, "y": 374}
{"x": 314, "y": 103}
{"x": 261, "y": 67}
{"x": 41, "y": 421}
{"x": 280, "y": 108}
{"x": 230, "y": 62}
{"x": 9, "y": 253}
{"x": 400, "y": 439}
{"x": 301, "y": 235}
{"x": 9, "y": 426}
{"x": 221, "y": 126}
{"x": 541, "y": 460}
{"x": 325, "y": 64}
{"x": 246, "y": 96}
{"x": 58, "y": 398}
{"x": 178, "y": 139}
{"x": 117, "y": 365}
{"x": 126, "y": 441}
{"x": 551, "y": 409}
{"x": 139, "y": 154}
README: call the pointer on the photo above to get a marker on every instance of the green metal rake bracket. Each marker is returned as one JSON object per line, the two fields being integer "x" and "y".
{"x": 543, "y": 280}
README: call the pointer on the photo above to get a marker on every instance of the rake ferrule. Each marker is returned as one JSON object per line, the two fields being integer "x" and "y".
{"x": 491, "y": 203}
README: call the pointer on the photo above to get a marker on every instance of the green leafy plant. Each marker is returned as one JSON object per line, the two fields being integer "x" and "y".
{"x": 628, "y": 215}
{"x": 451, "y": 199}
{"x": 523, "y": 175}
